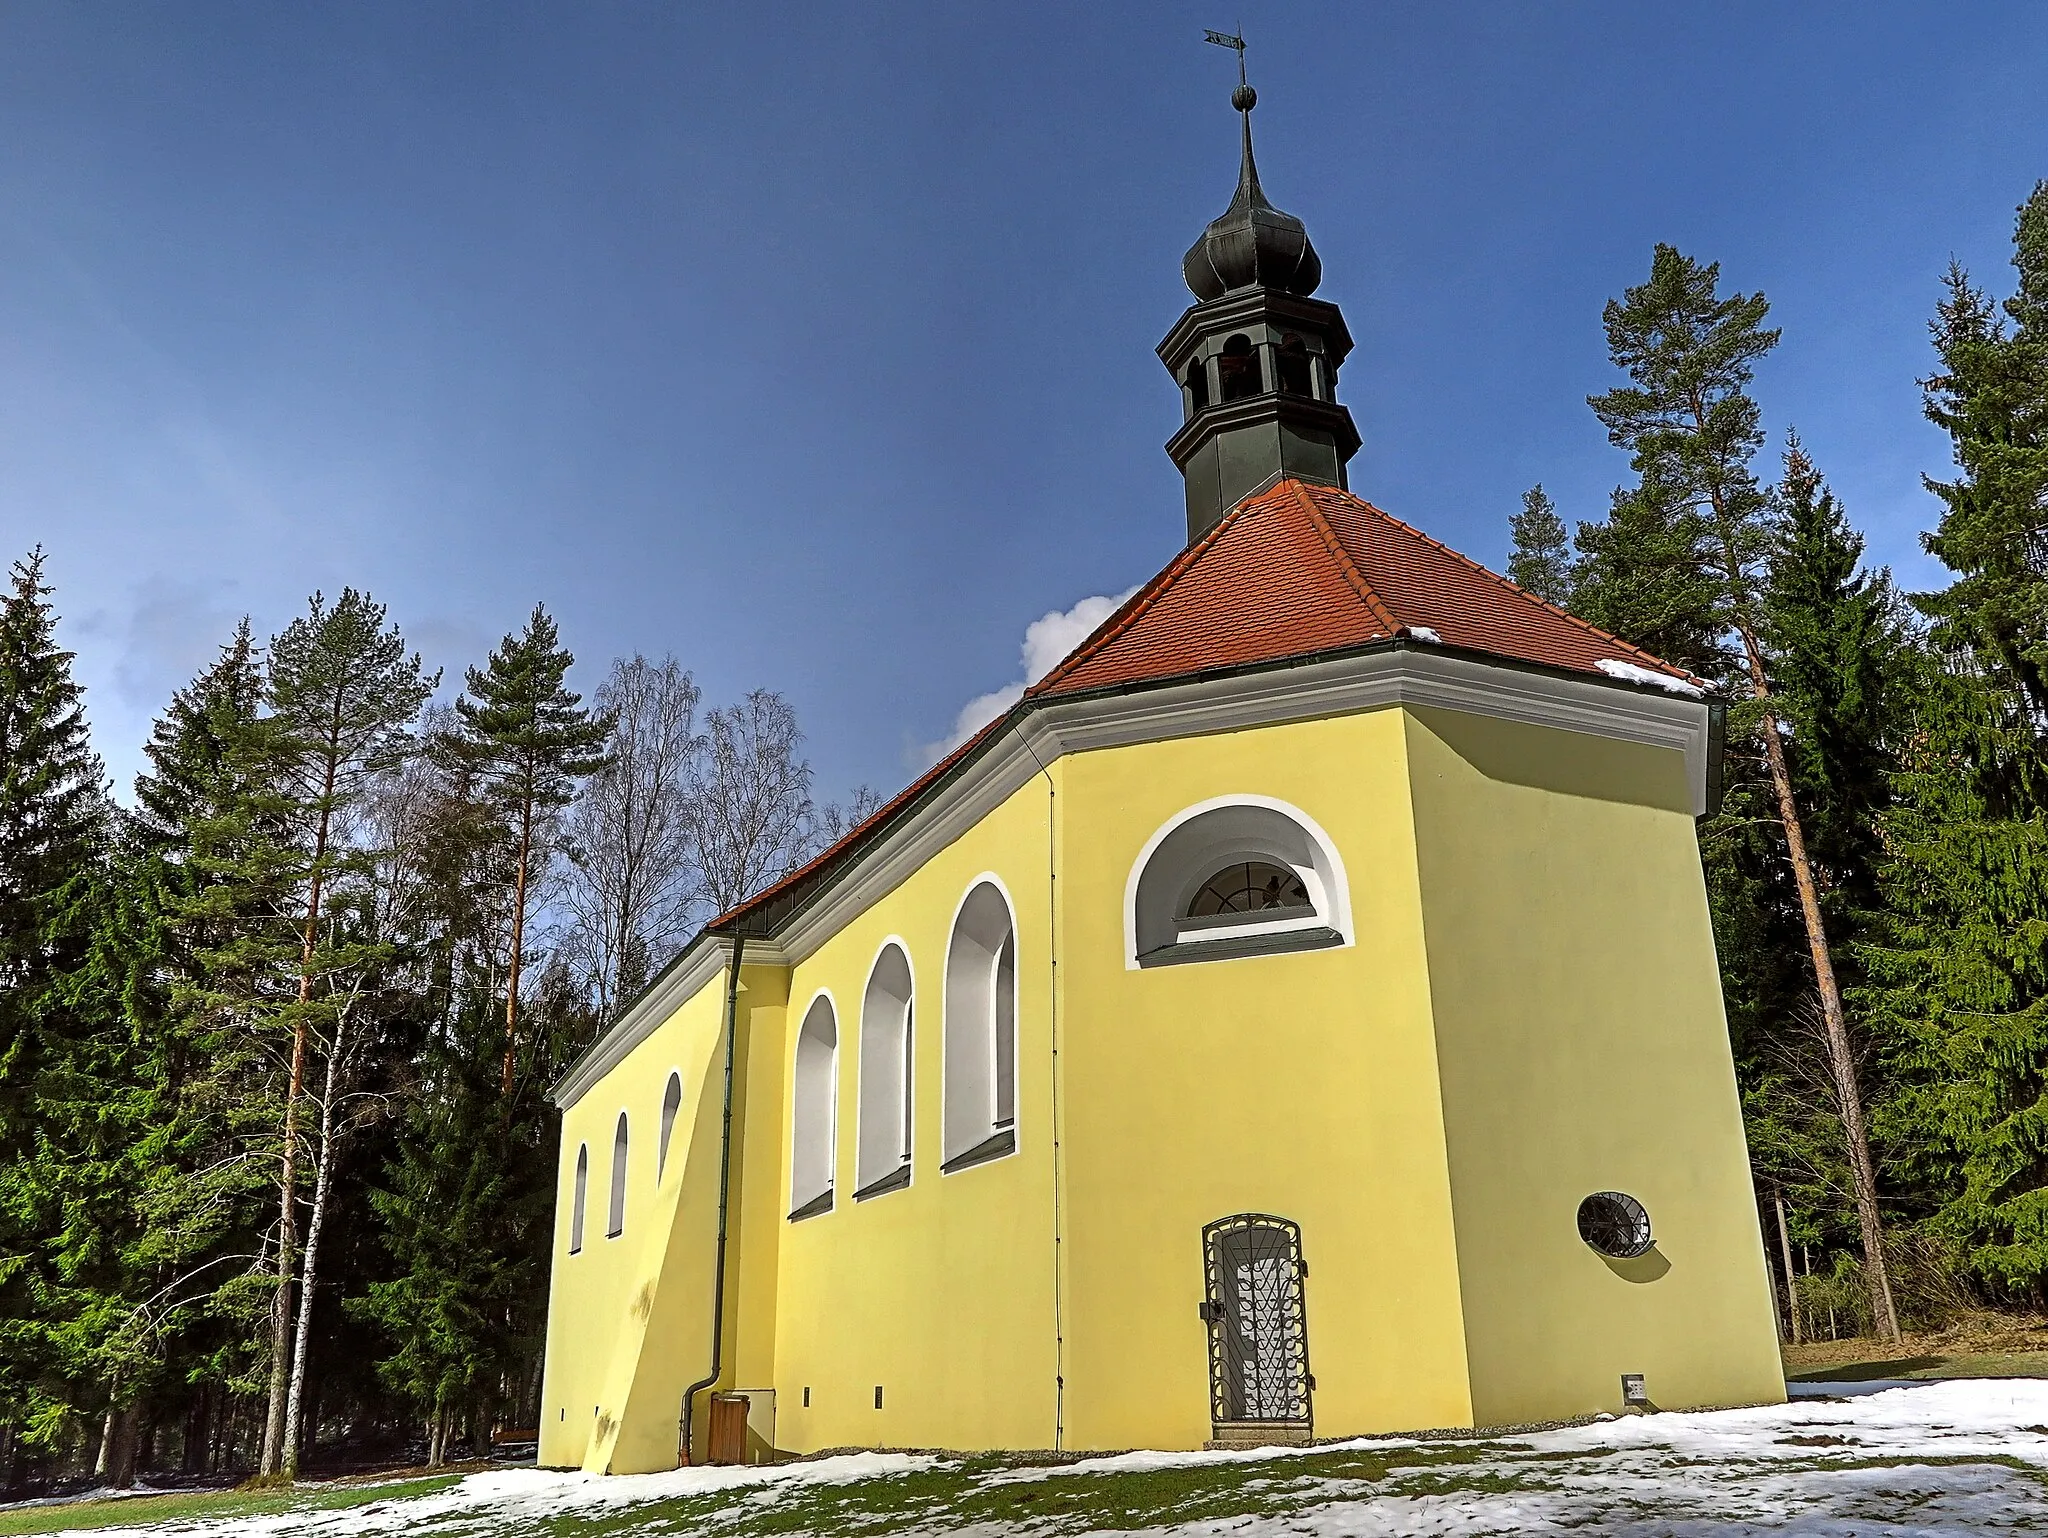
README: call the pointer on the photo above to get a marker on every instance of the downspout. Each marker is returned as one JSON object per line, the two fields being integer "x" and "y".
{"x": 1059, "y": 1329}
{"x": 732, "y": 1005}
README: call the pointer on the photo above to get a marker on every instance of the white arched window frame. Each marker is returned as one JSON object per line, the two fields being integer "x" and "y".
{"x": 814, "y": 1110}
{"x": 1194, "y": 845}
{"x": 615, "y": 1217}
{"x": 980, "y": 1100}
{"x": 671, "y": 1103}
{"x": 882, "y": 1140}
{"x": 578, "y": 1196}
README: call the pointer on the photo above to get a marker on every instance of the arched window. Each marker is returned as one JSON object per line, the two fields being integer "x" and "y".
{"x": 671, "y": 1102}
{"x": 1242, "y": 876}
{"x": 578, "y": 1197}
{"x": 1198, "y": 386}
{"x": 981, "y": 1031}
{"x": 1237, "y": 369}
{"x": 615, "y": 1222}
{"x": 814, "y": 1112}
{"x": 882, "y": 1157}
{"x": 1291, "y": 360}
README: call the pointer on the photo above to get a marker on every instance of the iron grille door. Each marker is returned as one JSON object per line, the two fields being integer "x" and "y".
{"x": 1258, "y": 1324}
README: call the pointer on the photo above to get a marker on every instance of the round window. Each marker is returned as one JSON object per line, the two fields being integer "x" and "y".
{"x": 1251, "y": 886}
{"x": 1615, "y": 1224}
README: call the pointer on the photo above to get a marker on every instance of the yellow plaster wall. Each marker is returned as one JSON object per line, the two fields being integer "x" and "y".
{"x": 629, "y": 1318}
{"x": 1302, "y": 1085}
{"x": 940, "y": 1293}
{"x": 1582, "y": 1047}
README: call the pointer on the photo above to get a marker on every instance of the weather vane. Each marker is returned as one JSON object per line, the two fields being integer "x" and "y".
{"x": 1243, "y": 97}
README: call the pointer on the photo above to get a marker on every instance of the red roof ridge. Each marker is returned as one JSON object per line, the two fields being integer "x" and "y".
{"x": 1134, "y": 607}
{"x": 1347, "y": 567}
{"x": 1515, "y": 587}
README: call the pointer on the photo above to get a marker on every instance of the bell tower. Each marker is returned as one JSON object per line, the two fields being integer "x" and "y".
{"x": 1255, "y": 357}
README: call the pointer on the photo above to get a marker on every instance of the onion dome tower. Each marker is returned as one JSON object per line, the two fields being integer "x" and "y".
{"x": 1255, "y": 357}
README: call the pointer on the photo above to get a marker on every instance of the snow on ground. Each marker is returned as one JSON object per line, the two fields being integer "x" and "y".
{"x": 1957, "y": 1457}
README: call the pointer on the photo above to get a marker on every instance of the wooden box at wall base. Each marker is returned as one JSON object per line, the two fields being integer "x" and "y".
{"x": 728, "y": 1429}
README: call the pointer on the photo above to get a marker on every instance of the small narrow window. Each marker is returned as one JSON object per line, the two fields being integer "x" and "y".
{"x": 813, "y": 1112}
{"x": 578, "y": 1196}
{"x": 1237, "y": 369}
{"x": 615, "y": 1223}
{"x": 1198, "y": 386}
{"x": 671, "y": 1102}
{"x": 882, "y": 1159}
{"x": 1293, "y": 365}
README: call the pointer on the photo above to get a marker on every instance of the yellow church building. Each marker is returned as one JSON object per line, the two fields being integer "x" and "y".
{"x": 1297, "y": 1017}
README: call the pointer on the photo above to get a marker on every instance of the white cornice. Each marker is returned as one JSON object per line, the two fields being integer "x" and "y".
{"x": 1403, "y": 675}
{"x": 702, "y": 961}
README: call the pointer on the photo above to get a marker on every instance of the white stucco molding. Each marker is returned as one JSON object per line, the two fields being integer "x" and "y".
{"x": 1420, "y": 674}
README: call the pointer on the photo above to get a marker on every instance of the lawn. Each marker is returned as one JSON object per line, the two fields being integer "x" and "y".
{"x": 1951, "y": 1457}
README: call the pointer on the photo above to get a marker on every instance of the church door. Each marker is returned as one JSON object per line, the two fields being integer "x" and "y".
{"x": 1258, "y": 1326}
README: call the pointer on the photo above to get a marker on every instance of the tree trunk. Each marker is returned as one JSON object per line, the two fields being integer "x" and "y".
{"x": 287, "y": 1231}
{"x": 1841, "y": 1053}
{"x": 518, "y": 943}
{"x": 1791, "y": 1283}
{"x": 323, "y": 1178}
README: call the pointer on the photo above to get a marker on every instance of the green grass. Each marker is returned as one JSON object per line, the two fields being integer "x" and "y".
{"x": 135, "y": 1510}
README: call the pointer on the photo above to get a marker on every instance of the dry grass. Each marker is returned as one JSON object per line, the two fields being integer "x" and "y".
{"x": 1981, "y": 1345}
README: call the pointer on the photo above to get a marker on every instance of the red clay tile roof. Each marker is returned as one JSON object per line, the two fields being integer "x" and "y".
{"x": 1302, "y": 569}
{"x": 1296, "y": 571}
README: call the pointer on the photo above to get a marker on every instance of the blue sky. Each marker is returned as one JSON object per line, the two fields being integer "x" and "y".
{"x": 813, "y": 343}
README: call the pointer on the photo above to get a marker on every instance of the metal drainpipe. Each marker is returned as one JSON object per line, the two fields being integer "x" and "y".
{"x": 732, "y": 1004}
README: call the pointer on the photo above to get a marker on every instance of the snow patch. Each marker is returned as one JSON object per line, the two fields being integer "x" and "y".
{"x": 1630, "y": 672}
{"x": 1424, "y": 633}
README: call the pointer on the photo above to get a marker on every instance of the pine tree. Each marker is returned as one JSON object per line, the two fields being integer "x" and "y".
{"x": 1960, "y": 968}
{"x": 1692, "y": 429}
{"x": 525, "y": 736}
{"x": 343, "y": 691}
{"x": 1541, "y": 560}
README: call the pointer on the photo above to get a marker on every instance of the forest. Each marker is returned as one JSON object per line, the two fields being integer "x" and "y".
{"x": 277, "y": 1031}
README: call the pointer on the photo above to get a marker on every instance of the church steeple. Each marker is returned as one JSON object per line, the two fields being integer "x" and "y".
{"x": 1256, "y": 358}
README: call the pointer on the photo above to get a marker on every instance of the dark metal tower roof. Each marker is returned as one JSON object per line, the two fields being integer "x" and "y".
{"x": 1254, "y": 244}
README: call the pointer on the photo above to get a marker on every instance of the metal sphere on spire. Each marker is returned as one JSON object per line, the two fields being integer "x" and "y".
{"x": 1254, "y": 244}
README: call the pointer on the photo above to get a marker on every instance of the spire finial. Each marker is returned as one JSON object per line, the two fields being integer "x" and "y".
{"x": 1244, "y": 98}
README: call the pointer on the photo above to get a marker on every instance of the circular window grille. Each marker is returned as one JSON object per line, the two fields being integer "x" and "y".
{"x": 1615, "y": 1224}
{"x": 1251, "y": 886}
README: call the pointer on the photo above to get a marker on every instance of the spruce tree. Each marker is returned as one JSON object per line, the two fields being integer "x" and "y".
{"x": 54, "y": 840}
{"x": 526, "y": 738}
{"x": 1960, "y": 968}
{"x": 1692, "y": 429}
{"x": 1541, "y": 559}
{"x": 1639, "y": 576}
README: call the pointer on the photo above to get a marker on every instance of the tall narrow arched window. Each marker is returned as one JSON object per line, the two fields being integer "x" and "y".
{"x": 981, "y": 1031}
{"x": 671, "y": 1102}
{"x": 814, "y": 1112}
{"x": 882, "y": 1155}
{"x": 1237, "y": 369}
{"x": 1292, "y": 361}
{"x": 578, "y": 1196}
{"x": 1198, "y": 386}
{"x": 615, "y": 1220}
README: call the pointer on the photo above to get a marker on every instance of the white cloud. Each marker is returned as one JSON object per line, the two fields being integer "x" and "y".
{"x": 1047, "y": 641}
